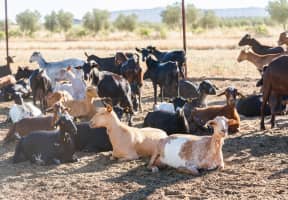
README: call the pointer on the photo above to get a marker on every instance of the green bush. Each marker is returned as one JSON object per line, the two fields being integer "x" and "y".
{"x": 75, "y": 34}
{"x": 15, "y": 33}
{"x": 261, "y": 29}
{"x": 144, "y": 32}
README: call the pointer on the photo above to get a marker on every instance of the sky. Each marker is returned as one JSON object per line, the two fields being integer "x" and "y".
{"x": 79, "y": 8}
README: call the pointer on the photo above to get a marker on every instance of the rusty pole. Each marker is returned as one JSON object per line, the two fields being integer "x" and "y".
{"x": 184, "y": 32}
{"x": 6, "y": 34}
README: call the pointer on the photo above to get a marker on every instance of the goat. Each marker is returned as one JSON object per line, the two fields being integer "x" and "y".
{"x": 161, "y": 74}
{"x": 283, "y": 38}
{"x": 48, "y": 147}
{"x": 83, "y": 108}
{"x": 258, "y": 60}
{"x": 114, "y": 86}
{"x": 59, "y": 96}
{"x": 169, "y": 122}
{"x": 257, "y": 47}
{"x": 27, "y": 125}
{"x": 132, "y": 71}
{"x": 21, "y": 87}
{"x": 104, "y": 64}
{"x": 53, "y": 68}
{"x": 172, "y": 106}
{"x": 175, "y": 56}
{"x": 23, "y": 73}
{"x": 41, "y": 86}
{"x": 189, "y": 153}
{"x": 202, "y": 115}
{"x": 76, "y": 87}
{"x": 128, "y": 143}
{"x": 7, "y": 80}
{"x": 21, "y": 110}
{"x": 275, "y": 84}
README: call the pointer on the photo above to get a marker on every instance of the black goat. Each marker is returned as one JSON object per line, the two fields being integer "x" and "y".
{"x": 114, "y": 86}
{"x": 41, "y": 86}
{"x": 257, "y": 47}
{"x": 162, "y": 74}
{"x": 91, "y": 139}
{"x": 169, "y": 122}
{"x": 23, "y": 73}
{"x": 48, "y": 147}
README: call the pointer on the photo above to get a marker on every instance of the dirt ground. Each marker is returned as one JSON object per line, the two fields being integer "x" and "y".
{"x": 256, "y": 167}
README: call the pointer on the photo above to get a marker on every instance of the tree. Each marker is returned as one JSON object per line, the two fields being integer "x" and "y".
{"x": 209, "y": 20}
{"x": 126, "y": 22}
{"x": 51, "y": 22}
{"x": 172, "y": 15}
{"x": 278, "y": 11}
{"x": 96, "y": 20}
{"x": 65, "y": 20}
{"x": 191, "y": 15}
{"x": 28, "y": 21}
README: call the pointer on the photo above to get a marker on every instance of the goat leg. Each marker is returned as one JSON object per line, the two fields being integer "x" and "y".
{"x": 155, "y": 93}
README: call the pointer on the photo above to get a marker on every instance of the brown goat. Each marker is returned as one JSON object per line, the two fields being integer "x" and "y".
{"x": 258, "y": 60}
{"x": 283, "y": 38}
{"x": 28, "y": 125}
{"x": 275, "y": 83}
{"x": 202, "y": 115}
{"x": 7, "y": 80}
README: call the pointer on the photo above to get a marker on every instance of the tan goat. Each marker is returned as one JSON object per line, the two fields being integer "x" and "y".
{"x": 83, "y": 108}
{"x": 258, "y": 60}
{"x": 128, "y": 143}
{"x": 188, "y": 153}
{"x": 59, "y": 96}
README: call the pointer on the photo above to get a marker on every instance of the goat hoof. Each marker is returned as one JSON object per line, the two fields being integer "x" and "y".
{"x": 154, "y": 169}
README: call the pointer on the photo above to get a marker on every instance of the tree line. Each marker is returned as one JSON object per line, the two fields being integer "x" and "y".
{"x": 97, "y": 20}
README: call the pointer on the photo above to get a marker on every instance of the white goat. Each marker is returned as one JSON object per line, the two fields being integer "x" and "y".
{"x": 188, "y": 153}
{"x": 76, "y": 87}
{"x": 18, "y": 112}
{"x": 53, "y": 68}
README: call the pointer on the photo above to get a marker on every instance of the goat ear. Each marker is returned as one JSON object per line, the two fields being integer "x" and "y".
{"x": 137, "y": 49}
{"x": 222, "y": 93}
{"x": 240, "y": 94}
{"x": 86, "y": 54}
{"x": 211, "y": 123}
{"x": 109, "y": 108}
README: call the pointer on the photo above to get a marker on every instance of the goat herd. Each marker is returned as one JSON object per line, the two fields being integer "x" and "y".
{"x": 87, "y": 100}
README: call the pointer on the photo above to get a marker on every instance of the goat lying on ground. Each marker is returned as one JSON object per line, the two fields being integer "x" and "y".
{"x": 189, "y": 153}
{"x": 128, "y": 143}
{"x": 48, "y": 147}
{"x": 172, "y": 106}
{"x": 21, "y": 87}
{"x": 202, "y": 115}
{"x": 169, "y": 122}
{"x": 21, "y": 110}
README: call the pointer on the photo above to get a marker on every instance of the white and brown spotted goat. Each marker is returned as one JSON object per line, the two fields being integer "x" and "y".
{"x": 189, "y": 153}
